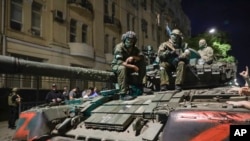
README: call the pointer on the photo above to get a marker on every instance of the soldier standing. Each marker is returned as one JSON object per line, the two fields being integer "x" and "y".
{"x": 128, "y": 59}
{"x": 14, "y": 102}
{"x": 206, "y": 52}
{"x": 173, "y": 55}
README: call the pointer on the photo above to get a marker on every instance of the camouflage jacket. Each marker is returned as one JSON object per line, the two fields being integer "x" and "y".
{"x": 121, "y": 54}
{"x": 168, "y": 47}
{"x": 206, "y": 54}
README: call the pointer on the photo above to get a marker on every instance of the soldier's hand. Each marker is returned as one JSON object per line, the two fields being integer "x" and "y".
{"x": 183, "y": 56}
{"x": 130, "y": 60}
{"x": 245, "y": 73}
{"x": 18, "y": 99}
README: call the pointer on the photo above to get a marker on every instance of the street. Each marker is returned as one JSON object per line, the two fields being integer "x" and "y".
{"x": 5, "y": 133}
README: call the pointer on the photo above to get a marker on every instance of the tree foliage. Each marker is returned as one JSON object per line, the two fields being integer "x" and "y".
{"x": 221, "y": 52}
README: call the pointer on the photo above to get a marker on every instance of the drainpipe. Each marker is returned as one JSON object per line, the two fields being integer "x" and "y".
{"x": 2, "y": 29}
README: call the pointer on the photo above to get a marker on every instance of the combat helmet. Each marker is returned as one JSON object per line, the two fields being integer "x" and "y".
{"x": 176, "y": 31}
{"x": 14, "y": 89}
{"x": 129, "y": 34}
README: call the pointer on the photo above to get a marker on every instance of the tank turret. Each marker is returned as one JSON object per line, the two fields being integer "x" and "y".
{"x": 12, "y": 65}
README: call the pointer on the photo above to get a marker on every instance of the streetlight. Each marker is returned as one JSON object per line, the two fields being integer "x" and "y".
{"x": 212, "y": 30}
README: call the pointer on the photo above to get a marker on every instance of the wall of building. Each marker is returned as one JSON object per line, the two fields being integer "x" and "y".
{"x": 54, "y": 45}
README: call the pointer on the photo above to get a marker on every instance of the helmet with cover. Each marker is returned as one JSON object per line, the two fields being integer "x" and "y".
{"x": 129, "y": 39}
{"x": 202, "y": 43}
{"x": 176, "y": 36}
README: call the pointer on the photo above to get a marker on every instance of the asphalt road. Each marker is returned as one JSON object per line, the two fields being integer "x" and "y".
{"x": 5, "y": 133}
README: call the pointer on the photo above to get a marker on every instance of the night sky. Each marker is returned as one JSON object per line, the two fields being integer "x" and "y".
{"x": 230, "y": 16}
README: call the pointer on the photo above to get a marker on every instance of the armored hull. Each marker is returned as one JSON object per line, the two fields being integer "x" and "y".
{"x": 193, "y": 113}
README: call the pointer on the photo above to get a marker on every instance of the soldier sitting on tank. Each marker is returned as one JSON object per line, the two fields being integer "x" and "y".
{"x": 206, "y": 52}
{"x": 173, "y": 55}
{"x": 128, "y": 59}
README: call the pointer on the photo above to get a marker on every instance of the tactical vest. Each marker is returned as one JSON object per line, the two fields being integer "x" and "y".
{"x": 10, "y": 102}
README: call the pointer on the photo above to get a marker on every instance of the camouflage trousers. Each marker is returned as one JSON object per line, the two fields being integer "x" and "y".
{"x": 166, "y": 69}
{"x": 125, "y": 77}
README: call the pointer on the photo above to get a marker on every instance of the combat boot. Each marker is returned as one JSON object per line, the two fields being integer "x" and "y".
{"x": 127, "y": 97}
{"x": 164, "y": 87}
{"x": 178, "y": 88}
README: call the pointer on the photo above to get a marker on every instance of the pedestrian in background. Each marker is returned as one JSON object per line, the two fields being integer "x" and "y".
{"x": 72, "y": 94}
{"x": 91, "y": 93}
{"x": 65, "y": 93}
{"x": 54, "y": 96}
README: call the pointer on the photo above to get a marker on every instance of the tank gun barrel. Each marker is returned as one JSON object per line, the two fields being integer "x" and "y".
{"x": 12, "y": 65}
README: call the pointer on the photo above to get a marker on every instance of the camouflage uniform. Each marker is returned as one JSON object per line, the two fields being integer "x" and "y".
{"x": 173, "y": 57}
{"x": 13, "y": 102}
{"x": 121, "y": 53}
{"x": 206, "y": 52}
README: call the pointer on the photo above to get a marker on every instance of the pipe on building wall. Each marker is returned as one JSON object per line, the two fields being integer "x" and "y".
{"x": 2, "y": 29}
{"x": 12, "y": 65}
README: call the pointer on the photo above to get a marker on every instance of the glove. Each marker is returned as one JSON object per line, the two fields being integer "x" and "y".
{"x": 164, "y": 55}
{"x": 175, "y": 61}
{"x": 183, "y": 56}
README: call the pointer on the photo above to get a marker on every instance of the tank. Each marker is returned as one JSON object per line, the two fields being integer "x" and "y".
{"x": 198, "y": 112}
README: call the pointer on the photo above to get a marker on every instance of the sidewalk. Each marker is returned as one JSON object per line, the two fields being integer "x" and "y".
{"x": 5, "y": 133}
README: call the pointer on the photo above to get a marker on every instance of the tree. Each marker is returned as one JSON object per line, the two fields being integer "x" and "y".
{"x": 221, "y": 52}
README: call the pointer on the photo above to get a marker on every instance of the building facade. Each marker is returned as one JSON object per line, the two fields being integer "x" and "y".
{"x": 80, "y": 33}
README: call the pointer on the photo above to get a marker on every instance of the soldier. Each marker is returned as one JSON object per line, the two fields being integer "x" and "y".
{"x": 13, "y": 101}
{"x": 173, "y": 55}
{"x": 206, "y": 52}
{"x": 127, "y": 60}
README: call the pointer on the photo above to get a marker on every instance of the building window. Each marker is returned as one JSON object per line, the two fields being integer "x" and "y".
{"x": 134, "y": 3}
{"x": 152, "y": 6}
{"x": 113, "y": 9}
{"x": 144, "y": 26}
{"x": 144, "y": 4}
{"x": 72, "y": 30}
{"x": 16, "y": 14}
{"x": 128, "y": 21}
{"x": 36, "y": 19}
{"x": 106, "y": 7}
{"x": 84, "y": 33}
{"x": 106, "y": 43}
